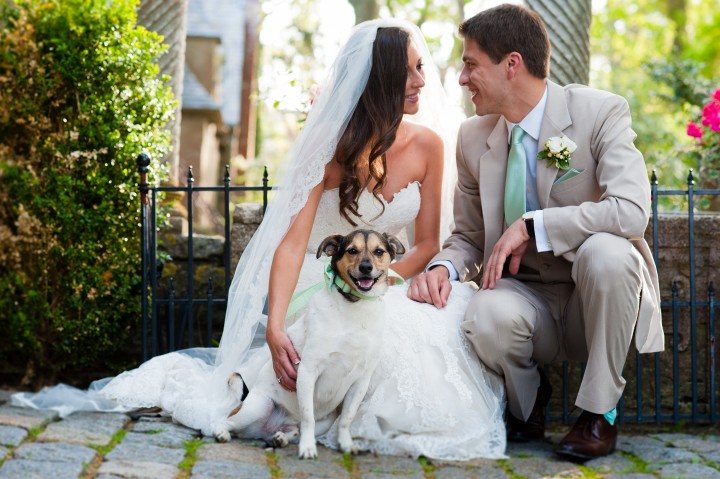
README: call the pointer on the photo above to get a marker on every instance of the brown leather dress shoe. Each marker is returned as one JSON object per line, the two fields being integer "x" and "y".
{"x": 591, "y": 437}
{"x": 534, "y": 428}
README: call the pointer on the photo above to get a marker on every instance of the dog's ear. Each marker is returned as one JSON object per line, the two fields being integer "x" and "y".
{"x": 395, "y": 244}
{"x": 329, "y": 246}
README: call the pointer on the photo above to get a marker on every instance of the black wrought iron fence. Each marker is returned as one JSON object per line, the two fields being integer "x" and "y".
{"x": 169, "y": 322}
{"x": 657, "y": 391}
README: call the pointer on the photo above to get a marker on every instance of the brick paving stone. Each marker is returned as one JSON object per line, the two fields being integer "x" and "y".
{"x": 229, "y": 470}
{"x": 536, "y": 468}
{"x": 25, "y": 418}
{"x": 479, "y": 463}
{"x": 328, "y": 465}
{"x": 457, "y": 472}
{"x": 687, "y": 471}
{"x": 55, "y": 452}
{"x": 614, "y": 463}
{"x": 143, "y": 452}
{"x": 713, "y": 456}
{"x": 92, "y": 428}
{"x": 37, "y": 469}
{"x": 544, "y": 449}
{"x": 135, "y": 469}
{"x": 697, "y": 444}
{"x": 12, "y": 435}
{"x": 238, "y": 451}
{"x": 3, "y": 452}
{"x": 659, "y": 454}
{"x": 377, "y": 466}
{"x": 671, "y": 438}
{"x": 174, "y": 438}
{"x": 630, "y": 475}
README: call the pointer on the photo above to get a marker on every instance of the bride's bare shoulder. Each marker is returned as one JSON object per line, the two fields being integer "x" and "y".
{"x": 422, "y": 135}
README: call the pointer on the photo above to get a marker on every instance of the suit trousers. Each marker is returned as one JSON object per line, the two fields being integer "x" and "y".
{"x": 520, "y": 324}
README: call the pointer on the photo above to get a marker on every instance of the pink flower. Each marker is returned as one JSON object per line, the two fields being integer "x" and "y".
{"x": 694, "y": 130}
{"x": 711, "y": 115}
{"x": 716, "y": 95}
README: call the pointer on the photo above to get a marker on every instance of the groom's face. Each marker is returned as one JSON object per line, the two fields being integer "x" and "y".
{"x": 485, "y": 80}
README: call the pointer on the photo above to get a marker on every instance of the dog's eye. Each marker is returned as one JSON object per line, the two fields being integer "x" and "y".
{"x": 379, "y": 252}
{"x": 352, "y": 251}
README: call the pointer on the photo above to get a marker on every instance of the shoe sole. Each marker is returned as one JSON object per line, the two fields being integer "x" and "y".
{"x": 577, "y": 455}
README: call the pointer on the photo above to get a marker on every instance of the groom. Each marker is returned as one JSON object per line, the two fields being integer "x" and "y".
{"x": 566, "y": 272}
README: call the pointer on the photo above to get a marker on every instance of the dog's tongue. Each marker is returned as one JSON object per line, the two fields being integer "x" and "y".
{"x": 365, "y": 283}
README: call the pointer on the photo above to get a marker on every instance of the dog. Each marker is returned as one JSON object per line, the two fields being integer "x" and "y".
{"x": 338, "y": 340}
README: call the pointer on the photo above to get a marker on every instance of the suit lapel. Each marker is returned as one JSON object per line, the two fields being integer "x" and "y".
{"x": 555, "y": 120}
{"x": 493, "y": 165}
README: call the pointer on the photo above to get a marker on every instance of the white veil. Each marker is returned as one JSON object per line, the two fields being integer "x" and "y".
{"x": 312, "y": 150}
{"x": 186, "y": 384}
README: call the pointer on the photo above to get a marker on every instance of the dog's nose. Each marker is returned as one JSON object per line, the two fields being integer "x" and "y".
{"x": 366, "y": 267}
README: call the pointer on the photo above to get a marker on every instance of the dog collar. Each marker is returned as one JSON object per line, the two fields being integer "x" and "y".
{"x": 301, "y": 298}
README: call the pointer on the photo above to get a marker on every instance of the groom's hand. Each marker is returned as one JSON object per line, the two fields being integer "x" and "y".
{"x": 431, "y": 287}
{"x": 513, "y": 243}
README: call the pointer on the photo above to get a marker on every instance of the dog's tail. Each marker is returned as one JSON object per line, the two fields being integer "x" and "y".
{"x": 239, "y": 389}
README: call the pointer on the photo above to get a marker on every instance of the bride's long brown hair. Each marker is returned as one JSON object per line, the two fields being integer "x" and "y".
{"x": 375, "y": 121}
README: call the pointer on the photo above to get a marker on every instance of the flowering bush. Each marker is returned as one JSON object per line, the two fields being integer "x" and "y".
{"x": 80, "y": 97}
{"x": 706, "y": 131}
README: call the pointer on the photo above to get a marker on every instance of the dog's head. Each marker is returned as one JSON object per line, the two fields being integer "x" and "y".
{"x": 362, "y": 259}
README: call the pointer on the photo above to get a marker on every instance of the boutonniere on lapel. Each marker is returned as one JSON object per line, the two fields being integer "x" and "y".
{"x": 557, "y": 152}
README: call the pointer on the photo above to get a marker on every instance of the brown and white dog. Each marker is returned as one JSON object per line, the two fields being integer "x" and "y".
{"x": 338, "y": 340}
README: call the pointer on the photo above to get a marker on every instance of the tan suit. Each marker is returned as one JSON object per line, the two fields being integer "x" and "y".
{"x": 597, "y": 287}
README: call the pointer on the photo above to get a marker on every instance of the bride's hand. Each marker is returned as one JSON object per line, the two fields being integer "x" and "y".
{"x": 285, "y": 358}
{"x": 432, "y": 287}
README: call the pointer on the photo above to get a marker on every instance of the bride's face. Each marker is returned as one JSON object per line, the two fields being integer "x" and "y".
{"x": 415, "y": 80}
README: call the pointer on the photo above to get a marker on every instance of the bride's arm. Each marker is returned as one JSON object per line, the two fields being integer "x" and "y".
{"x": 284, "y": 273}
{"x": 427, "y": 223}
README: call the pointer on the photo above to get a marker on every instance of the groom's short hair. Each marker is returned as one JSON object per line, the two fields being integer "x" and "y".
{"x": 511, "y": 28}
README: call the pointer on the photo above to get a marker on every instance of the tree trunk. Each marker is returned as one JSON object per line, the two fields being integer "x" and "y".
{"x": 365, "y": 9}
{"x": 568, "y": 25}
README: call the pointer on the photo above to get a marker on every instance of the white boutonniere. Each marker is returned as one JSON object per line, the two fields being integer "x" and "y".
{"x": 557, "y": 151}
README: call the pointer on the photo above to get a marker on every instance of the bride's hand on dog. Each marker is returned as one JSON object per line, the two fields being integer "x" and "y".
{"x": 285, "y": 358}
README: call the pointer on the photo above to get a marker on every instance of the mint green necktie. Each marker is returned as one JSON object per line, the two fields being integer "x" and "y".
{"x": 515, "y": 177}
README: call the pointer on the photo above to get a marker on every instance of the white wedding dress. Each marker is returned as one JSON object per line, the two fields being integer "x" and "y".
{"x": 429, "y": 396}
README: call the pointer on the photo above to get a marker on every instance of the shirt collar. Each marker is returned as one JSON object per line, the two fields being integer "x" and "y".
{"x": 533, "y": 121}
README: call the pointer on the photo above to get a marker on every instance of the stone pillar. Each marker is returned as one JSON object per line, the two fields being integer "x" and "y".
{"x": 169, "y": 19}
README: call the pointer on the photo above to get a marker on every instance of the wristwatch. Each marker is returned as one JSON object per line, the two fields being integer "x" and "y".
{"x": 529, "y": 219}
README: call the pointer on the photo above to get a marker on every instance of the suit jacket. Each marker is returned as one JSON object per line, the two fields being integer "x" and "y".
{"x": 611, "y": 194}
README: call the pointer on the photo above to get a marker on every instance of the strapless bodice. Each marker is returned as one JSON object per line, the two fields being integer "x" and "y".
{"x": 399, "y": 213}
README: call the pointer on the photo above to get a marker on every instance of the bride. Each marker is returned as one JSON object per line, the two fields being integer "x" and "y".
{"x": 371, "y": 154}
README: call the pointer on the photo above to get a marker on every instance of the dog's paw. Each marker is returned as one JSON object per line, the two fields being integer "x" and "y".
{"x": 222, "y": 435}
{"x": 221, "y": 432}
{"x": 279, "y": 439}
{"x": 348, "y": 446}
{"x": 307, "y": 451}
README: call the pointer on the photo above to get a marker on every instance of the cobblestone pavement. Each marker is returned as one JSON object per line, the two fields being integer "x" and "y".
{"x": 37, "y": 444}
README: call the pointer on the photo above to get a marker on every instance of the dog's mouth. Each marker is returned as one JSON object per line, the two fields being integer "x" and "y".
{"x": 364, "y": 283}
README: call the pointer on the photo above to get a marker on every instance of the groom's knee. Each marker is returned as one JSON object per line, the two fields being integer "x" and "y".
{"x": 495, "y": 318}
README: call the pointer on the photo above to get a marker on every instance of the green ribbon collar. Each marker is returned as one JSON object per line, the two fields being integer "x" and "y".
{"x": 301, "y": 298}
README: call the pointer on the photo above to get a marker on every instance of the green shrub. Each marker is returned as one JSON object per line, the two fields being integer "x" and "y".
{"x": 80, "y": 97}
